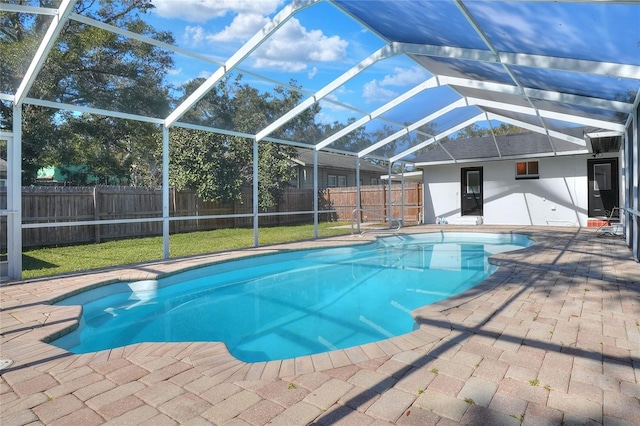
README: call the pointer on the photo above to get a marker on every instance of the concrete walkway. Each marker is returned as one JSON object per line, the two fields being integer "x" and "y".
{"x": 552, "y": 338}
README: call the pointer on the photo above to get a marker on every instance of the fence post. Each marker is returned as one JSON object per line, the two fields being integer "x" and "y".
{"x": 96, "y": 213}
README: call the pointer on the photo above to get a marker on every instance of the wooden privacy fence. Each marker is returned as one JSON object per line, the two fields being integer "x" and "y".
{"x": 375, "y": 198}
{"x": 73, "y": 204}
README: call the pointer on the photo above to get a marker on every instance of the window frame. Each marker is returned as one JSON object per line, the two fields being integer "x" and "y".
{"x": 528, "y": 172}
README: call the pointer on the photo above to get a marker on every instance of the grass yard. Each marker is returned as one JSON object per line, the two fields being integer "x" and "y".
{"x": 57, "y": 260}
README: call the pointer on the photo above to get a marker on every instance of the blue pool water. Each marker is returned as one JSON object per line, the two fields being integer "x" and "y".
{"x": 290, "y": 304}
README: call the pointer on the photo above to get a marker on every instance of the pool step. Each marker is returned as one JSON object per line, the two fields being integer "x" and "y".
{"x": 465, "y": 220}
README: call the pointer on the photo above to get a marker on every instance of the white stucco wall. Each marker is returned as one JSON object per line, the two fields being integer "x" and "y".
{"x": 558, "y": 197}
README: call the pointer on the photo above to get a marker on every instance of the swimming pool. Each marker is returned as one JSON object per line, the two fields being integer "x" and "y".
{"x": 290, "y": 304}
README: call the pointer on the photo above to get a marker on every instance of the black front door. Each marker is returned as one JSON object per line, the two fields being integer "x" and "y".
{"x": 471, "y": 190}
{"x": 602, "y": 175}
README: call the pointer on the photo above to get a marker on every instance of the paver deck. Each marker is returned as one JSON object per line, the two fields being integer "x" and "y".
{"x": 553, "y": 337}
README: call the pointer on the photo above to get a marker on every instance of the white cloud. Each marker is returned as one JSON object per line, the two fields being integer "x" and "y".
{"x": 293, "y": 47}
{"x": 175, "y": 71}
{"x": 373, "y": 91}
{"x": 312, "y": 73}
{"x": 242, "y": 28}
{"x": 323, "y": 118}
{"x": 203, "y": 10}
{"x": 405, "y": 77}
{"x": 378, "y": 90}
{"x": 194, "y": 35}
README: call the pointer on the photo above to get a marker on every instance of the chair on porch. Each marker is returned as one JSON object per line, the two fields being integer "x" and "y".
{"x": 613, "y": 226}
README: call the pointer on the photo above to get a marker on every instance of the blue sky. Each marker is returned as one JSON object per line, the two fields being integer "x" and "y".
{"x": 314, "y": 47}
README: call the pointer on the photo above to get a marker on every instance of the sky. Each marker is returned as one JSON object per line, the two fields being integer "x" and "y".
{"x": 305, "y": 49}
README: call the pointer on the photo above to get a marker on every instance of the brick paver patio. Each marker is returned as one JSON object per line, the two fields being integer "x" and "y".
{"x": 553, "y": 337}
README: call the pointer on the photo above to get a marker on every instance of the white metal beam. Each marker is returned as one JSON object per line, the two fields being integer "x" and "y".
{"x": 47, "y": 42}
{"x": 457, "y": 104}
{"x": 89, "y": 110}
{"x": 14, "y": 196}
{"x": 609, "y": 134}
{"x": 537, "y": 129}
{"x": 571, "y": 118}
{"x": 165, "y": 192}
{"x": 493, "y": 134}
{"x": 176, "y": 49}
{"x": 260, "y": 37}
{"x": 428, "y": 84}
{"x": 143, "y": 39}
{"x": 586, "y": 101}
{"x": 609, "y": 69}
{"x": 18, "y": 8}
{"x": 383, "y": 53}
{"x": 437, "y": 137}
{"x": 447, "y": 52}
{"x": 547, "y": 95}
{"x": 504, "y": 157}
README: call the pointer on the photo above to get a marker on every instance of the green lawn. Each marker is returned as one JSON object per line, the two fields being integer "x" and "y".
{"x": 56, "y": 260}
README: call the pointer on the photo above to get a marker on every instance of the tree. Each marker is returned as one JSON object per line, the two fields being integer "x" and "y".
{"x": 223, "y": 163}
{"x": 475, "y": 131}
{"x": 87, "y": 66}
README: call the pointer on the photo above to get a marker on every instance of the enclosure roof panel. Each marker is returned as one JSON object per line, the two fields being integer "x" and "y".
{"x": 397, "y": 77}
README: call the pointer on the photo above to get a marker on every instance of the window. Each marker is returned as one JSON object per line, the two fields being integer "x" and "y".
{"x": 336, "y": 180}
{"x": 602, "y": 177}
{"x": 473, "y": 182}
{"x": 527, "y": 170}
{"x": 374, "y": 181}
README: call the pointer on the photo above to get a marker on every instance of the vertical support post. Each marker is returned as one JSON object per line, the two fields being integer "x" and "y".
{"x": 315, "y": 194}
{"x": 358, "y": 205}
{"x": 255, "y": 192}
{"x": 96, "y": 213}
{"x": 635, "y": 188}
{"x": 14, "y": 197}
{"x": 626, "y": 179}
{"x": 165, "y": 192}
{"x": 390, "y": 198}
{"x": 402, "y": 193}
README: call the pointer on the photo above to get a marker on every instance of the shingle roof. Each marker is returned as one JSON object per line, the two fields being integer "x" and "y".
{"x": 336, "y": 161}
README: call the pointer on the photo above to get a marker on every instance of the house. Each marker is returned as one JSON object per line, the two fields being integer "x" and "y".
{"x": 522, "y": 179}
{"x": 74, "y": 175}
{"x": 334, "y": 170}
